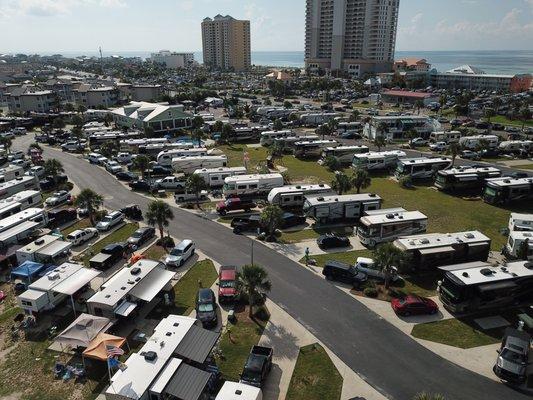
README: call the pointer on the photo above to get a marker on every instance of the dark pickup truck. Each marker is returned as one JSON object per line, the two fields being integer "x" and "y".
{"x": 234, "y": 204}
{"x": 247, "y": 223}
{"x": 108, "y": 256}
{"x": 257, "y": 366}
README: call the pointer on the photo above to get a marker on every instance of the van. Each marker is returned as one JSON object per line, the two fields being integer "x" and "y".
{"x": 110, "y": 220}
{"x": 80, "y": 236}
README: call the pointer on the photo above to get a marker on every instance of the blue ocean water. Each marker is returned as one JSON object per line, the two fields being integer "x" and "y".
{"x": 495, "y": 62}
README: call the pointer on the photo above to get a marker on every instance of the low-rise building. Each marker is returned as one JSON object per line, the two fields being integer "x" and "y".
{"x": 150, "y": 93}
{"x": 99, "y": 96}
{"x": 394, "y": 127}
{"x": 408, "y": 97}
{"x": 24, "y": 99}
{"x": 412, "y": 64}
{"x": 173, "y": 59}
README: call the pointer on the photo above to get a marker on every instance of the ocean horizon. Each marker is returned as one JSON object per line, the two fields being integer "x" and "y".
{"x": 491, "y": 61}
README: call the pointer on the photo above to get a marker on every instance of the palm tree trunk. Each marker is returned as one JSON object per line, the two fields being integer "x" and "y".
{"x": 161, "y": 231}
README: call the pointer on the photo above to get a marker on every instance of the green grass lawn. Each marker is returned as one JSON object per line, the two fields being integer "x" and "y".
{"x": 454, "y": 332}
{"x": 347, "y": 257}
{"x": 236, "y": 342}
{"x": 525, "y": 166}
{"x": 120, "y": 235}
{"x": 315, "y": 377}
{"x": 203, "y": 274}
{"x": 235, "y": 155}
{"x": 155, "y": 252}
{"x": 80, "y": 224}
{"x": 502, "y": 119}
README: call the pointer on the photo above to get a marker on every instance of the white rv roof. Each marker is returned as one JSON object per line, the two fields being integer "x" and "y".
{"x": 460, "y": 171}
{"x": 20, "y": 217}
{"x": 392, "y": 217}
{"x": 54, "y": 248}
{"x": 320, "y": 199}
{"x": 21, "y": 180}
{"x": 10, "y": 167}
{"x": 347, "y": 148}
{"x": 508, "y": 181}
{"x": 521, "y": 217}
{"x": 315, "y": 142}
{"x": 53, "y": 278}
{"x": 17, "y": 198}
{"x": 488, "y": 274}
{"x": 522, "y": 235}
{"x": 381, "y": 154}
{"x": 252, "y": 177}
{"x": 283, "y": 132}
{"x": 238, "y": 391}
{"x": 76, "y": 281}
{"x": 219, "y": 169}
{"x": 39, "y": 243}
{"x": 31, "y": 295}
{"x": 201, "y": 158}
{"x": 479, "y": 137}
{"x": 430, "y": 240}
{"x": 297, "y": 188}
{"x": 423, "y": 160}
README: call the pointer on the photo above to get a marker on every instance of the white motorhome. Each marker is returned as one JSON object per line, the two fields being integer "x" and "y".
{"x": 515, "y": 243}
{"x": 313, "y": 148}
{"x": 251, "y": 185}
{"x": 342, "y": 153}
{"x": 516, "y": 146}
{"x": 17, "y": 185}
{"x": 421, "y": 167}
{"x": 505, "y": 189}
{"x": 188, "y": 165}
{"x": 294, "y": 196}
{"x": 36, "y": 215}
{"x": 520, "y": 222}
{"x": 165, "y": 157}
{"x": 19, "y": 202}
{"x": 239, "y": 391}
{"x": 214, "y": 177}
{"x": 387, "y": 225}
{"x": 10, "y": 172}
{"x": 267, "y": 138}
{"x": 290, "y": 141}
{"x": 340, "y": 208}
{"x": 316, "y": 119}
{"x": 377, "y": 160}
{"x": 474, "y": 142}
{"x": 447, "y": 137}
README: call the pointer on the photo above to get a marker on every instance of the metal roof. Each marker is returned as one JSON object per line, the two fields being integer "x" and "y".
{"x": 150, "y": 286}
{"x": 488, "y": 274}
{"x": 17, "y": 230}
{"x": 197, "y": 344}
{"x": 188, "y": 383}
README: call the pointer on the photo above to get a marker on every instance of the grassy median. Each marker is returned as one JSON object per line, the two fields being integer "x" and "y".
{"x": 202, "y": 274}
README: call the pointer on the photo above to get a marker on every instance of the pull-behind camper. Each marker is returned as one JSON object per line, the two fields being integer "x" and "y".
{"x": 335, "y": 208}
{"x": 256, "y": 185}
{"x": 342, "y": 153}
{"x": 377, "y": 160}
{"x": 294, "y": 196}
{"x": 188, "y": 165}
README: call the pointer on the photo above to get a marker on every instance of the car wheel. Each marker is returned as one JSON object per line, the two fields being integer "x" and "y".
{"x": 329, "y": 277}
{"x": 406, "y": 314}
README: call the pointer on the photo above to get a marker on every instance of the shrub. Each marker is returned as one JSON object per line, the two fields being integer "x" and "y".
{"x": 406, "y": 181}
{"x": 98, "y": 215}
{"x": 165, "y": 242}
{"x": 370, "y": 292}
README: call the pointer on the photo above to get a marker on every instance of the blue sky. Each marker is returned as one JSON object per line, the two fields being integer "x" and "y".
{"x": 147, "y": 25}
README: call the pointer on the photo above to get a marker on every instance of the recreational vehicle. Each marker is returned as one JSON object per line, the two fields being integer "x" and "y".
{"x": 267, "y": 138}
{"x": 10, "y": 172}
{"x": 342, "y": 153}
{"x": 313, "y": 148}
{"x": 516, "y": 146}
{"x": 465, "y": 178}
{"x": 430, "y": 250}
{"x": 505, "y": 189}
{"x": 97, "y": 139}
{"x": 520, "y": 222}
{"x": 387, "y": 225}
{"x": 294, "y": 196}
{"x": 514, "y": 247}
{"x": 251, "y": 185}
{"x": 349, "y": 126}
{"x": 10, "y": 188}
{"x": 377, "y": 160}
{"x": 290, "y": 141}
{"x": 316, "y": 119}
{"x": 165, "y": 157}
{"x": 188, "y": 165}
{"x": 422, "y": 167}
{"x": 475, "y": 142}
{"x": 27, "y": 252}
{"x": 340, "y": 208}
{"x": 475, "y": 287}
{"x": 447, "y": 137}
{"x": 214, "y": 177}
{"x": 19, "y": 202}
{"x": 134, "y": 145}
{"x": 245, "y": 134}
{"x": 153, "y": 149}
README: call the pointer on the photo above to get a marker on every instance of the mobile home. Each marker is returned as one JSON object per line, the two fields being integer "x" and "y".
{"x": 313, "y": 148}
{"x": 520, "y": 222}
{"x": 17, "y": 185}
{"x": 422, "y": 167}
{"x": 465, "y": 178}
{"x": 251, "y": 185}
{"x": 481, "y": 286}
{"x": 474, "y": 142}
{"x": 214, "y": 177}
{"x": 267, "y": 138}
{"x": 340, "y": 208}
{"x": 294, "y": 196}
{"x": 19, "y": 202}
{"x": 430, "y": 250}
{"x": 377, "y": 160}
{"x": 165, "y": 157}
{"x": 188, "y": 165}
{"x": 387, "y": 225}
{"x": 448, "y": 137}
{"x": 515, "y": 243}
{"x": 10, "y": 172}
{"x": 342, "y": 153}
{"x": 505, "y": 189}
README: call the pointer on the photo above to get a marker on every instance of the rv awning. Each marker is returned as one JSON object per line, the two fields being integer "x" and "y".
{"x": 152, "y": 284}
{"x": 125, "y": 309}
{"x": 82, "y": 331}
{"x": 188, "y": 383}
{"x": 97, "y": 349}
{"x": 76, "y": 281}
{"x": 55, "y": 248}
{"x": 17, "y": 230}
{"x": 436, "y": 250}
{"x": 197, "y": 344}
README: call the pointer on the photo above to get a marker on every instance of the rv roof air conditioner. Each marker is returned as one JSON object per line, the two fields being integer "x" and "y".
{"x": 135, "y": 271}
{"x": 465, "y": 274}
{"x": 320, "y": 199}
{"x": 469, "y": 235}
{"x": 149, "y": 355}
{"x": 488, "y": 271}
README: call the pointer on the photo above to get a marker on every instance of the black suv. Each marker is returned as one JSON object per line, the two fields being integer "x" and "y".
{"x": 338, "y": 271}
{"x": 206, "y": 308}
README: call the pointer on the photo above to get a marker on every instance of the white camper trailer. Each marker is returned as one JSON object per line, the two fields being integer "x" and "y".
{"x": 342, "y": 153}
{"x": 19, "y": 202}
{"x": 520, "y": 222}
{"x": 10, "y": 172}
{"x": 377, "y": 160}
{"x": 447, "y": 137}
{"x": 165, "y": 157}
{"x": 294, "y": 196}
{"x": 268, "y": 137}
{"x": 516, "y": 146}
{"x": 188, "y": 165}
{"x": 335, "y": 208}
{"x": 316, "y": 119}
{"x": 313, "y": 148}
{"x": 290, "y": 141}
{"x": 422, "y": 167}
{"x": 474, "y": 142}
{"x": 251, "y": 185}
{"x": 27, "y": 252}
{"x": 214, "y": 177}
{"x": 17, "y": 185}
{"x": 21, "y": 225}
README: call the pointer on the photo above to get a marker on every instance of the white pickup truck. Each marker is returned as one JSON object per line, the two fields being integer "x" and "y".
{"x": 172, "y": 183}
{"x": 188, "y": 197}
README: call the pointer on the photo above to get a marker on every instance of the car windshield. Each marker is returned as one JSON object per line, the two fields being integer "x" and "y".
{"x": 227, "y": 284}
{"x": 205, "y": 307}
{"x": 137, "y": 234}
{"x": 176, "y": 252}
{"x": 512, "y": 356}
{"x": 106, "y": 219}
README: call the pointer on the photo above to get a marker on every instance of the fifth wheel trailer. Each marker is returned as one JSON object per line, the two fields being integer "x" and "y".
{"x": 340, "y": 208}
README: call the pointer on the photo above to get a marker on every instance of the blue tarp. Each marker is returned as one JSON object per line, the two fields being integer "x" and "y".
{"x": 27, "y": 270}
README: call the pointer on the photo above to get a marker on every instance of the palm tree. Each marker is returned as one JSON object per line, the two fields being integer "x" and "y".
{"x": 428, "y": 396}
{"x": 53, "y": 167}
{"x": 388, "y": 257}
{"x": 58, "y": 123}
{"x": 360, "y": 179}
{"x": 453, "y": 150}
{"x": 159, "y": 213}
{"x": 91, "y": 201}
{"x": 253, "y": 280}
{"x": 524, "y": 115}
{"x": 496, "y": 104}
{"x": 332, "y": 163}
{"x": 271, "y": 219}
{"x": 489, "y": 113}
{"x": 197, "y": 136}
{"x": 141, "y": 163}
{"x": 195, "y": 184}
{"x": 323, "y": 130}
{"x": 442, "y": 102}
{"x": 418, "y": 105}
{"x": 341, "y": 183}
{"x": 354, "y": 116}
{"x": 380, "y": 142}
{"x": 7, "y": 143}
{"x": 278, "y": 125}
{"x": 227, "y": 133}
{"x": 149, "y": 131}
{"x": 197, "y": 122}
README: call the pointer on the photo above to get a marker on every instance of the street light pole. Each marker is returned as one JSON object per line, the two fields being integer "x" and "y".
{"x": 252, "y": 254}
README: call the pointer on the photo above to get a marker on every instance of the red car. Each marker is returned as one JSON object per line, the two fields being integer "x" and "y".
{"x": 234, "y": 204}
{"x": 227, "y": 284}
{"x": 414, "y": 305}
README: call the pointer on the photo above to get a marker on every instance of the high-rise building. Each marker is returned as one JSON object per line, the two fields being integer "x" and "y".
{"x": 354, "y": 36}
{"x": 226, "y": 43}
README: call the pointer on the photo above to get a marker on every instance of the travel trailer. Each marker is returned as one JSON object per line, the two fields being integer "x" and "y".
{"x": 340, "y": 208}
{"x": 465, "y": 178}
{"x": 165, "y": 157}
{"x": 294, "y": 196}
{"x": 515, "y": 243}
{"x": 520, "y": 222}
{"x": 386, "y": 225}
{"x": 374, "y": 161}
{"x": 10, "y": 172}
{"x": 256, "y": 185}
{"x": 475, "y": 142}
{"x": 422, "y": 167}
{"x": 316, "y": 119}
{"x": 19, "y": 202}
{"x": 307, "y": 148}
{"x": 505, "y": 190}
{"x": 267, "y": 138}
{"x": 12, "y": 187}
{"x": 214, "y": 177}
{"x": 516, "y": 147}
{"x": 290, "y": 141}
{"x": 447, "y": 137}
{"x": 342, "y": 153}
{"x": 480, "y": 286}
{"x": 188, "y": 165}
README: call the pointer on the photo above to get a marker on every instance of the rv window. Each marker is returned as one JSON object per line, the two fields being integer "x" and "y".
{"x": 253, "y": 186}
{"x": 241, "y": 187}
{"x": 26, "y": 303}
{"x": 286, "y": 199}
{"x": 214, "y": 178}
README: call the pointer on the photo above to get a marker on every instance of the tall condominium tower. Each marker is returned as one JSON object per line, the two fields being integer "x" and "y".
{"x": 226, "y": 43}
{"x": 353, "y": 36}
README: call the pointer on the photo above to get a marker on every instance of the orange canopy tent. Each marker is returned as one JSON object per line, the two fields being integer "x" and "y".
{"x": 97, "y": 349}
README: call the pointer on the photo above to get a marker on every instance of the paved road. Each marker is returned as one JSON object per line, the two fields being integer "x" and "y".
{"x": 389, "y": 360}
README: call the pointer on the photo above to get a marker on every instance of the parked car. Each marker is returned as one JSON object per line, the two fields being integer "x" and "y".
{"x": 341, "y": 272}
{"x": 113, "y": 167}
{"x": 126, "y": 176}
{"x": 50, "y": 182}
{"x": 80, "y": 236}
{"x": 140, "y": 185}
{"x": 418, "y": 141}
{"x": 57, "y": 218}
{"x": 133, "y": 211}
{"x": 180, "y": 254}
{"x": 414, "y": 305}
{"x": 73, "y": 146}
{"x": 141, "y": 236}
{"x": 124, "y": 158}
{"x": 470, "y": 155}
{"x": 350, "y": 135}
{"x": 234, "y": 204}
{"x": 108, "y": 257}
{"x": 161, "y": 170}
{"x": 289, "y": 220}
{"x": 257, "y": 366}
{"x": 187, "y": 197}
{"x": 331, "y": 241}
{"x": 58, "y": 198}
{"x": 37, "y": 171}
{"x": 246, "y": 223}
{"x": 110, "y": 220}
{"x": 96, "y": 158}
{"x": 439, "y": 146}
{"x": 206, "y": 308}
{"x": 21, "y": 162}
{"x": 172, "y": 183}
{"x": 368, "y": 266}
{"x": 513, "y": 356}
{"x": 227, "y": 284}
{"x": 16, "y": 155}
